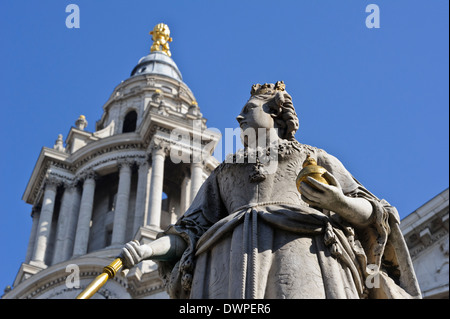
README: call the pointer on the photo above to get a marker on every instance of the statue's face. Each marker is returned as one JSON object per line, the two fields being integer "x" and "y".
{"x": 255, "y": 114}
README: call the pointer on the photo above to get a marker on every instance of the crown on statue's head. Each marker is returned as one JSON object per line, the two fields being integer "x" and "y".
{"x": 267, "y": 88}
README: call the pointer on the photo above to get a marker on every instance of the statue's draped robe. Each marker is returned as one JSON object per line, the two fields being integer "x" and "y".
{"x": 251, "y": 237}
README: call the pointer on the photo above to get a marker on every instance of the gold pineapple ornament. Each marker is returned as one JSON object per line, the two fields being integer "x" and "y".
{"x": 161, "y": 38}
{"x": 311, "y": 169}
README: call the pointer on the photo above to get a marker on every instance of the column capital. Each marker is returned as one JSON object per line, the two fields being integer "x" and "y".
{"x": 125, "y": 162}
{"x": 89, "y": 174}
{"x": 142, "y": 161}
{"x": 70, "y": 184}
{"x": 52, "y": 181}
{"x": 160, "y": 147}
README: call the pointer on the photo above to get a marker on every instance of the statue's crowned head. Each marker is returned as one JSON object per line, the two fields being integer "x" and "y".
{"x": 281, "y": 107}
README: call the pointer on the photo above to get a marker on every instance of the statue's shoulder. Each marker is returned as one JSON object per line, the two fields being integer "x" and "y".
{"x": 290, "y": 147}
{"x": 220, "y": 167}
{"x": 232, "y": 161}
{"x": 320, "y": 155}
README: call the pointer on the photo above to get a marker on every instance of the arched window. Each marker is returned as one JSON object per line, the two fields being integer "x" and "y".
{"x": 129, "y": 123}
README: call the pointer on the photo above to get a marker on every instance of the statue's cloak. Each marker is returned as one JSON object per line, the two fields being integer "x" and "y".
{"x": 250, "y": 235}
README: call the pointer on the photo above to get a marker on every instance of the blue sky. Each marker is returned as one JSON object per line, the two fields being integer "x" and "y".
{"x": 375, "y": 98}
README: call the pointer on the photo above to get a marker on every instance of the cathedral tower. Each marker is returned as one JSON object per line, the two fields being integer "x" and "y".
{"x": 132, "y": 176}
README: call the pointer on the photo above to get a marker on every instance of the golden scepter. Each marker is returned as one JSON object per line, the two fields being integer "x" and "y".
{"x": 109, "y": 272}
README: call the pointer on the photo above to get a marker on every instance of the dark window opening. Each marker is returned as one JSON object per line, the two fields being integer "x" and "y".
{"x": 129, "y": 123}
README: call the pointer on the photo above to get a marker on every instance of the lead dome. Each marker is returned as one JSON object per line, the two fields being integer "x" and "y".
{"x": 159, "y": 63}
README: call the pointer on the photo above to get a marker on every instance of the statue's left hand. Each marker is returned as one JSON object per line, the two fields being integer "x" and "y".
{"x": 357, "y": 211}
{"x": 324, "y": 196}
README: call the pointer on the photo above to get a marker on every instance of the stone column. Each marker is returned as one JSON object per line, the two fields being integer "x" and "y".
{"x": 85, "y": 215}
{"x": 156, "y": 189}
{"x": 64, "y": 223}
{"x": 72, "y": 221}
{"x": 185, "y": 196}
{"x": 45, "y": 222}
{"x": 147, "y": 195}
{"x": 122, "y": 201}
{"x": 35, "y": 213}
{"x": 196, "y": 178}
{"x": 141, "y": 195}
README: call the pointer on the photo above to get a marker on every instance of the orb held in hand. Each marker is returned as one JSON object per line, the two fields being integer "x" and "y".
{"x": 311, "y": 169}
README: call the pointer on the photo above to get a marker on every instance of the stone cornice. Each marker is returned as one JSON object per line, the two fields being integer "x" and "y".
{"x": 130, "y": 145}
{"x": 105, "y": 145}
{"x": 425, "y": 212}
{"x": 68, "y": 168}
{"x": 417, "y": 246}
{"x": 46, "y": 158}
{"x": 88, "y": 161}
{"x": 164, "y": 126}
{"x": 427, "y": 225}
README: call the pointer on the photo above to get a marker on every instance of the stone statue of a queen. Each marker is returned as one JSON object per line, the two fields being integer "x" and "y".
{"x": 251, "y": 233}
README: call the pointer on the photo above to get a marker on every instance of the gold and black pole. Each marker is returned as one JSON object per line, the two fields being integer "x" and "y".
{"x": 109, "y": 272}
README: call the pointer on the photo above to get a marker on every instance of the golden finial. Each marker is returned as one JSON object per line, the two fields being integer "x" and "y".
{"x": 161, "y": 38}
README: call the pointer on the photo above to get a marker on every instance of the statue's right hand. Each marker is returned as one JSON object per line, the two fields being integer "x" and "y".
{"x": 133, "y": 253}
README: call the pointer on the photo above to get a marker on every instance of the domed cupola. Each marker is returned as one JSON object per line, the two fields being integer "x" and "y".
{"x": 159, "y": 63}
{"x": 159, "y": 60}
{"x": 155, "y": 85}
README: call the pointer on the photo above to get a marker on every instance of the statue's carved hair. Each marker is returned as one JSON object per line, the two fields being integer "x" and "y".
{"x": 280, "y": 103}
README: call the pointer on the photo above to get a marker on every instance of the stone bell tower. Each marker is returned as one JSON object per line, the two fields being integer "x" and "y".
{"x": 130, "y": 177}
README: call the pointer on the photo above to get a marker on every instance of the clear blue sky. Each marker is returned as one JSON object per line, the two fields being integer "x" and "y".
{"x": 375, "y": 98}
